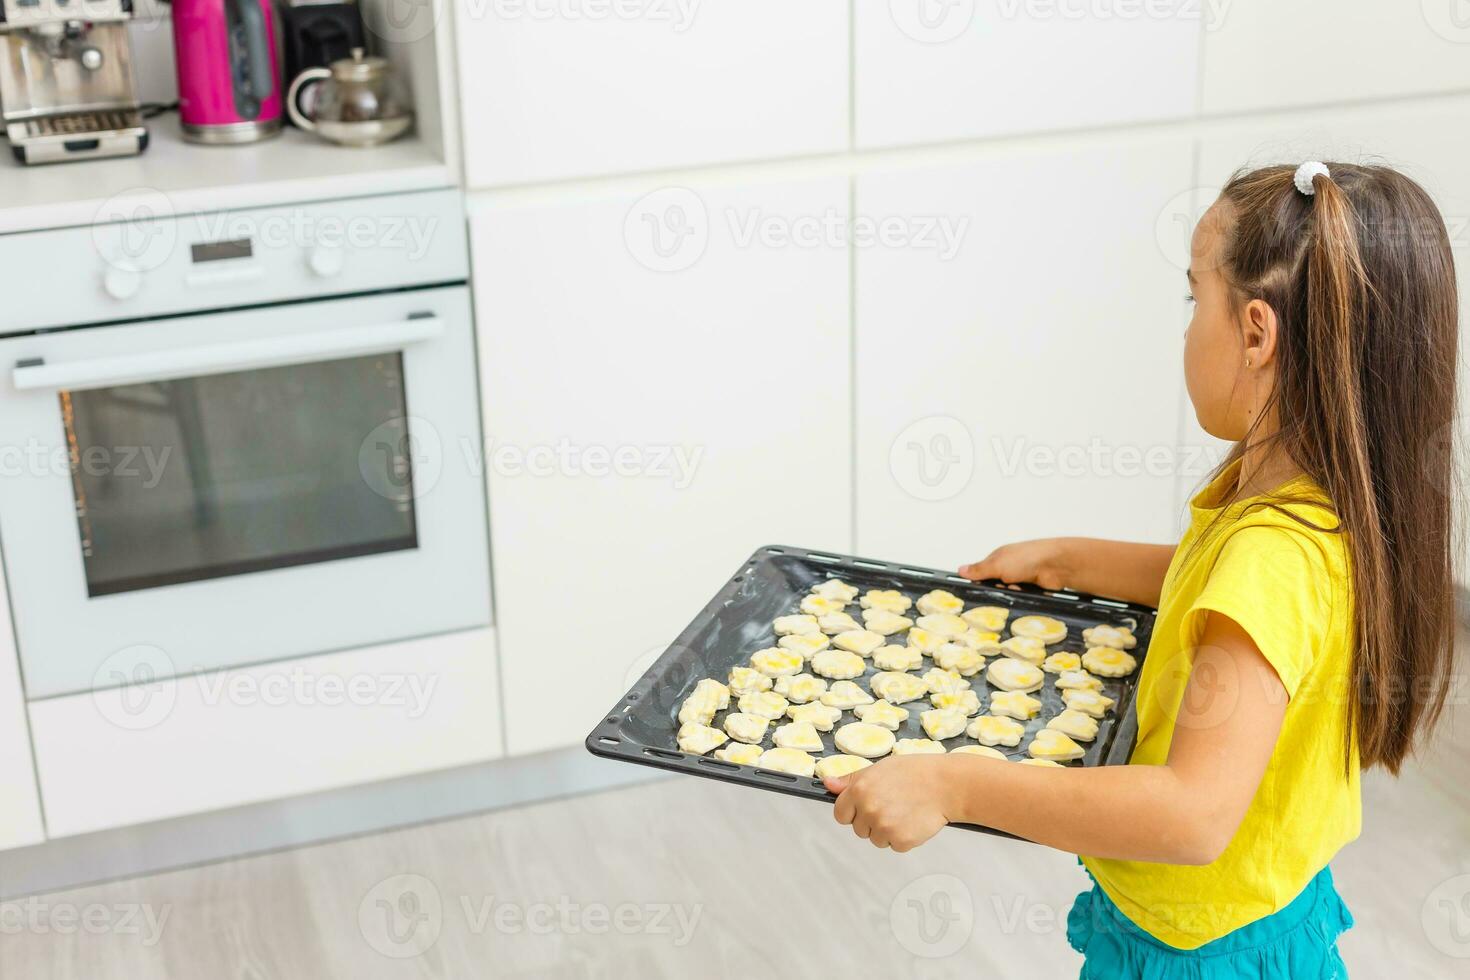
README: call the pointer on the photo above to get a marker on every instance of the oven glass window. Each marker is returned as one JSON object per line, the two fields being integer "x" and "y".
{"x": 227, "y": 474}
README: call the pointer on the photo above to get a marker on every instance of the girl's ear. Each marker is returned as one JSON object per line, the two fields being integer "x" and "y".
{"x": 1258, "y": 332}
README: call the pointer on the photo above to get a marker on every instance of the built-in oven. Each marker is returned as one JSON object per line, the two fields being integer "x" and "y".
{"x": 262, "y": 450}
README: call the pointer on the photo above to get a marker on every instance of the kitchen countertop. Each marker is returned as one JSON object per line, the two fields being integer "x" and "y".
{"x": 293, "y": 167}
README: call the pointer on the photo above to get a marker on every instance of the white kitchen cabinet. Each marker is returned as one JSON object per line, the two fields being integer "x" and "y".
{"x": 1030, "y": 384}
{"x": 652, "y": 418}
{"x": 1428, "y": 140}
{"x": 551, "y": 91}
{"x": 932, "y": 71}
{"x": 209, "y": 741}
{"x": 20, "y": 804}
{"x": 1305, "y": 52}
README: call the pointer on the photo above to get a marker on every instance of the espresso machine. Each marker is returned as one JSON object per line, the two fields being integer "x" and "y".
{"x": 67, "y": 90}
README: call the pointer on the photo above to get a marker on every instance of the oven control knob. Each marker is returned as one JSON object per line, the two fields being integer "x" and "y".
{"x": 122, "y": 281}
{"x": 325, "y": 261}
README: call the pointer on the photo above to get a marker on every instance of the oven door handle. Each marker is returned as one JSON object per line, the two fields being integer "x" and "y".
{"x": 244, "y": 355}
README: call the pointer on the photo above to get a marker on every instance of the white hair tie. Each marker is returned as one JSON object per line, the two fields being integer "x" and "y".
{"x": 1306, "y": 172}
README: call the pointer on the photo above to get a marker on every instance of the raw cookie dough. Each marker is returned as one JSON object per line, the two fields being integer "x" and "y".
{"x": 1013, "y": 675}
{"x": 966, "y": 701}
{"x": 939, "y": 602}
{"x": 1088, "y": 702}
{"x": 981, "y": 640}
{"x": 898, "y": 658}
{"x": 991, "y": 730}
{"x": 1078, "y": 680}
{"x": 1040, "y": 762}
{"x": 943, "y": 624}
{"x": 942, "y": 723}
{"x": 898, "y": 687}
{"x": 839, "y": 665}
{"x": 764, "y": 705}
{"x": 835, "y": 588}
{"x": 739, "y": 753}
{"x": 1107, "y": 662}
{"x": 797, "y": 623}
{"x": 804, "y": 645}
{"x": 697, "y": 710}
{"x": 960, "y": 659}
{"x": 917, "y": 746}
{"x": 886, "y": 599}
{"x": 1014, "y": 704}
{"x": 1043, "y": 628}
{"x": 787, "y": 760}
{"x": 713, "y": 689}
{"x": 838, "y": 622}
{"x": 820, "y": 716}
{"x": 1117, "y": 637}
{"x": 991, "y": 619}
{"x": 775, "y": 662}
{"x": 835, "y": 766}
{"x": 1082, "y": 727}
{"x": 1024, "y": 648}
{"x": 925, "y": 641}
{"x": 698, "y": 739}
{"x": 860, "y": 642}
{"x": 864, "y": 740}
{"x": 745, "y": 728}
{"x": 941, "y": 681}
{"x": 1054, "y": 745}
{"x": 846, "y": 694}
{"x": 1060, "y": 661}
{"x": 800, "y": 688}
{"x": 885, "y": 623}
{"x": 799, "y": 735}
{"x": 984, "y": 750}
{"x": 748, "y": 680}
{"x": 884, "y": 713}
{"x": 816, "y": 605}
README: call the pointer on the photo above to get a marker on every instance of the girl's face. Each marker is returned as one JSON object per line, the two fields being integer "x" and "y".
{"x": 1220, "y": 339}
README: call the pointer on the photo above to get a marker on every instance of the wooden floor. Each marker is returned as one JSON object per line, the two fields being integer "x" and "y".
{"x": 686, "y": 877}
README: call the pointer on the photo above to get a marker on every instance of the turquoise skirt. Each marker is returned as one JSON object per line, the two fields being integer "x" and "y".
{"x": 1297, "y": 943}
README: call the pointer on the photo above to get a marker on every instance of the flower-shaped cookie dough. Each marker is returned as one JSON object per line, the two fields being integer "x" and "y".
{"x": 1078, "y": 680}
{"x": 885, "y": 623}
{"x": 748, "y": 680}
{"x": 991, "y": 730}
{"x": 835, "y": 588}
{"x": 1014, "y": 704}
{"x": 1043, "y": 628}
{"x": 895, "y": 657}
{"x": 939, "y": 603}
{"x": 804, "y": 645}
{"x": 800, "y": 688}
{"x": 943, "y": 624}
{"x": 966, "y": 701}
{"x": 1025, "y": 648}
{"x": 1060, "y": 661}
{"x": 990, "y": 619}
{"x": 838, "y": 622}
{"x": 739, "y": 753}
{"x": 698, "y": 739}
{"x": 960, "y": 659}
{"x": 898, "y": 687}
{"x": 1117, "y": 637}
{"x": 795, "y": 624}
{"x": 887, "y": 600}
{"x": 838, "y": 665}
{"x": 1088, "y": 702}
{"x": 817, "y": 605}
{"x": 766, "y": 705}
{"x": 775, "y": 662}
{"x": 820, "y": 716}
{"x": 745, "y": 728}
{"x": 1107, "y": 662}
{"x": 942, "y": 723}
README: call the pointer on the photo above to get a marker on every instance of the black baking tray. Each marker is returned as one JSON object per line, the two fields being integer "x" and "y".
{"x": 643, "y": 725}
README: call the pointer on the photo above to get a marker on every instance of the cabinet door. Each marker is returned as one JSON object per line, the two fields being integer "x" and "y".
{"x": 1428, "y": 140}
{"x": 930, "y": 71}
{"x": 550, "y": 91}
{"x": 666, "y": 388}
{"x": 1029, "y": 383}
{"x": 1304, "y": 52}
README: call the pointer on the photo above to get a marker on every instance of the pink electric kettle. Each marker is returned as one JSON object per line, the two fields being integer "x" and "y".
{"x": 229, "y": 78}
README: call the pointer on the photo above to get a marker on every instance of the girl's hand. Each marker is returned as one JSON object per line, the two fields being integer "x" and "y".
{"x": 1043, "y": 562}
{"x": 895, "y": 803}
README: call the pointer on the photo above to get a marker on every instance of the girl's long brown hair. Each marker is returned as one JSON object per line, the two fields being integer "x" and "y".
{"x": 1361, "y": 279}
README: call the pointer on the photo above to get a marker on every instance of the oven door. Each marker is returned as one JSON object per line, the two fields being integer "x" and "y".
{"x": 241, "y": 487}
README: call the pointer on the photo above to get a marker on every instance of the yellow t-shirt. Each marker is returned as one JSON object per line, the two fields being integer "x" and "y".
{"x": 1287, "y": 586}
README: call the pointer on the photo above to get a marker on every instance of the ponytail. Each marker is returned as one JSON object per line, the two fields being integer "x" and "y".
{"x": 1359, "y": 273}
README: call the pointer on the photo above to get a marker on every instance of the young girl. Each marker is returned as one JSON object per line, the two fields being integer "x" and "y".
{"x": 1306, "y": 624}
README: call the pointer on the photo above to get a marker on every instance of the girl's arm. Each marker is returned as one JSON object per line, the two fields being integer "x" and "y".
{"x": 1183, "y": 812}
{"x": 1120, "y": 569}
